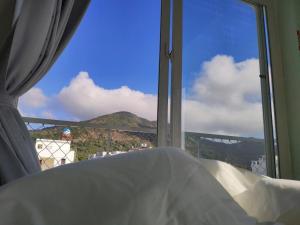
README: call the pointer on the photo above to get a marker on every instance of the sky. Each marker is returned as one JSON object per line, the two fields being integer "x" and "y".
{"x": 111, "y": 64}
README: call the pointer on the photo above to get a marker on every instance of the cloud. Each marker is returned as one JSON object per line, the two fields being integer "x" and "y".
{"x": 48, "y": 115}
{"x": 223, "y": 99}
{"x": 34, "y": 103}
{"x": 221, "y": 119}
{"x": 84, "y": 99}
{"x": 222, "y": 81}
{"x": 34, "y": 98}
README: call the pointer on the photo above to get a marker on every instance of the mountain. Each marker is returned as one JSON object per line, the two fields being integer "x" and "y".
{"x": 131, "y": 132}
{"x": 239, "y": 154}
{"x": 123, "y": 119}
{"x": 120, "y": 131}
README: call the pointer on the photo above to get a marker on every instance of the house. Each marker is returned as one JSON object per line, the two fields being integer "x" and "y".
{"x": 259, "y": 167}
{"x": 53, "y": 153}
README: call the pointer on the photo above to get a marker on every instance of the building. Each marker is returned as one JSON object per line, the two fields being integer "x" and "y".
{"x": 53, "y": 153}
{"x": 259, "y": 167}
{"x": 103, "y": 154}
{"x": 99, "y": 155}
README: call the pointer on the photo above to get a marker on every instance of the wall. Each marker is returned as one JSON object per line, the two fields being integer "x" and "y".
{"x": 56, "y": 150}
{"x": 288, "y": 19}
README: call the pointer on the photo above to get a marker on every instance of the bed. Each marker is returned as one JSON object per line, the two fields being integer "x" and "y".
{"x": 163, "y": 186}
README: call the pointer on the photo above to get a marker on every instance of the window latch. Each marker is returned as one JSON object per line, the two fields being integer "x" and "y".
{"x": 262, "y": 76}
{"x": 298, "y": 34}
{"x": 171, "y": 55}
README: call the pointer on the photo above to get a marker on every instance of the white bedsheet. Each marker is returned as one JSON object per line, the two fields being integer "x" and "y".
{"x": 154, "y": 187}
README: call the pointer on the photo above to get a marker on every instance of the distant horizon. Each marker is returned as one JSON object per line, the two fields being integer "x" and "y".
{"x": 151, "y": 121}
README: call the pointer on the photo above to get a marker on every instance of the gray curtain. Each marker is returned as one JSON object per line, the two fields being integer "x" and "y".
{"x": 33, "y": 33}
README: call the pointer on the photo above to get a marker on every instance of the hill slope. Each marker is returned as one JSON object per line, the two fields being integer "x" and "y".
{"x": 123, "y": 119}
{"x": 90, "y": 140}
{"x": 87, "y": 141}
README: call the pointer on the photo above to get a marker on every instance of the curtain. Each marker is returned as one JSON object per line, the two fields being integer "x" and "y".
{"x": 33, "y": 33}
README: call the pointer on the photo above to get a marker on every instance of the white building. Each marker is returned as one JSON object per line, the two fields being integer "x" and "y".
{"x": 105, "y": 154}
{"x": 259, "y": 167}
{"x": 54, "y": 153}
{"x": 144, "y": 145}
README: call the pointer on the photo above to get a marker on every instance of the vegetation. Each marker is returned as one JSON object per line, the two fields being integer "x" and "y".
{"x": 239, "y": 153}
{"x": 88, "y": 141}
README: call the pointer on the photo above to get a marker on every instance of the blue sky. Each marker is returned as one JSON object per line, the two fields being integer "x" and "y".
{"x": 217, "y": 27}
{"x": 117, "y": 43}
{"x": 111, "y": 64}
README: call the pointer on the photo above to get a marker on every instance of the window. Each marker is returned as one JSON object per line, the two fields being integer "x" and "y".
{"x": 107, "y": 76}
{"x": 63, "y": 161}
{"x": 110, "y": 66}
{"x": 222, "y": 103}
{"x": 47, "y": 163}
{"x": 110, "y": 80}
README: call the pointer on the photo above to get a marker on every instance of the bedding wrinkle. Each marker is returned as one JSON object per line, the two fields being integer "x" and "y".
{"x": 163, "y": 186}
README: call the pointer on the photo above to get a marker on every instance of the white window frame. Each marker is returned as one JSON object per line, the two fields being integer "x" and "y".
{"x": 284, "y": 154}
{"x": 163, "y": 81}
{"x": 173, "y": 136}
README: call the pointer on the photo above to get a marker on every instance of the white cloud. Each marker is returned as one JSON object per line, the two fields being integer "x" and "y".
{"x": 33, "y": 103}
{"x": 222, "y": 119}
{"x": 224, "y": 99}
{"x": 84, "y": 99}
{"x": 34, "y": 98}
{"x": 48, "y": 115}
{"x": 222, "y": 81}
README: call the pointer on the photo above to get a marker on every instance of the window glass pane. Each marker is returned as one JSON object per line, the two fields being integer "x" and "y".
{"x": 222, "y": 109}
{"x": 106, "y": 76}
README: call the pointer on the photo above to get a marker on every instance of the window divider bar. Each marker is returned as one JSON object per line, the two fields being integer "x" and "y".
{"x": 176, "y": 82}
{"x": 163, "y": 80}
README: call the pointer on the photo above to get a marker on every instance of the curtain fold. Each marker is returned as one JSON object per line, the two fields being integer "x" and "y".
{"x": 32, "y": 36}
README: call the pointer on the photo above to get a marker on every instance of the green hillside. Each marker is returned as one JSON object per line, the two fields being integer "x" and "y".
{"x": 87, "y": 141}
{"x": 239, "y": 154}
{"x": 123, "y": 119}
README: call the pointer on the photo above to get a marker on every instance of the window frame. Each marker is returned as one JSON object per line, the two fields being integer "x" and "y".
{"x": 174, "y": 57}
{"x": 276, "y": 65}
{"x": 170, "y": 136}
